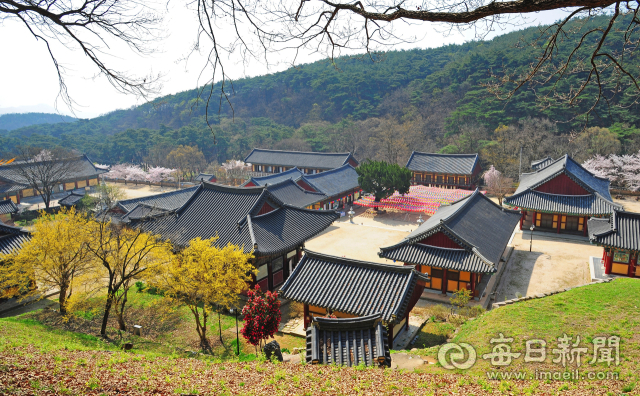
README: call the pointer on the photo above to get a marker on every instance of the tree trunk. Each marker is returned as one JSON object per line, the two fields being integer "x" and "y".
{"x": 105, "y": 318}
{"x": 62, "y": 299}
{"x": 120, "y": 306}
{"x": 219, "y": 325}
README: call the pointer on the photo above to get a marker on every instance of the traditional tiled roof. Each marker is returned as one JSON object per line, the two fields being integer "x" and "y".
{"x": 80, "y": 167}
{"x": 169, "y": 200}
{"x": 354, "y": 287}
{"x": 7, "y": 207}
{"x": 12, "y": 239}
{"x": 232, "y": 213}
{"x": 621, "y": 230}
{"x": 579, "y": 205}
{"x": 541, "y": 163}
{"x": 334, "y": 182}
{"x": 290, "y": 193}
{"x": 205, "y": 177}
{"x": 299, "y": 159}
{"x": 348, "y": 342}
{"x": 8, "y": 186}
{"x": 141, "y": 211}
{"x": 477, "y": 224}
{"x": 291, "y": 174}
{"x": 575, "y": 171}
{"x": 72, "y": 199}
{"x": 458, "y": 164}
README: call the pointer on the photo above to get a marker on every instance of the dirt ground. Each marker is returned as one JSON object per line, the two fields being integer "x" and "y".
{"x": 132, "y": 191}
{"x": 552, "y": 265}
{"x": 362, "y": 240}
{"x": 629, "y": 203}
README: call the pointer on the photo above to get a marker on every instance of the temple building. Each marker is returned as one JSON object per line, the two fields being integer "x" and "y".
{"x": 350, "y": 288}
{"x": 620, "y": 236}
{"x": 14, "y": 186}
{"x": 339, "y": 186}
{"x": 460, "y": 246}
{"x": 348, "y": 341}
{"x": 444, "y": 170}
{"x": 278, "y": 161}
{"x": 541, "y": 163}
{"x": 252, "y": 218}
{"x": 561, "y": 197}
{"x": 208, "y": 177}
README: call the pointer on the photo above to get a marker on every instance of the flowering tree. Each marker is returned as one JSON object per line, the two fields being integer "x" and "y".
{"x": 622, "y": 170}
{"x": 44, "y": 155}
{"x": 261, "y": 316}
{"x": 118, "y": 171}
{"x": 158, "y": 174}
{"x": 134, "y": 172}
{"x": 497, "y": 183}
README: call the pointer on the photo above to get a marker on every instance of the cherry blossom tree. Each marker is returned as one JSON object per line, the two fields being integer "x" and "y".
{"x": 136, "y": 173}
{"x": 159, "y": 173}
{"x": 497, "y": 183}
{"x": 622, "y": 170}
{"x": 118, "y": 171}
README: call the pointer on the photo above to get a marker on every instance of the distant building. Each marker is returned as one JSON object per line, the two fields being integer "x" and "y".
{"x": 541, "y": 163}
{"x": 339, "y": 186}
{"x": 350, "y": 288}
{"x": 561, "y": 197}
{"x": 620, "y": 237}
{"x": 136, "y": 208}
{"x": 252, "y": 218}
{"x": 460, "y": 246}
{"x": 277, "y": 161}
{"x": 71, "y": 200}
{"x": 13, "y": 185}
{"x": 444, "y": 170}
{"x": 206, "y": 177}
{"x": 348, "y": 342}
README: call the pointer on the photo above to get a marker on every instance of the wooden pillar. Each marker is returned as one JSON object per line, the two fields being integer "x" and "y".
{"x": 270, "y": 276}
{"x": 533, "y": 218}
{"x": 559, "y": 222}
{"x": 76, "y": 184}
{"x": 584, "y": 226}
{"x": 608, "y": 262}
{"x": 390, "y": 335}
{"x": 473, "y": 275}
{"x": 522, "y": 218}
{"x": 632, "y": 264}
{"x": 444, "y": 281}
{"x": 307, "y": 321}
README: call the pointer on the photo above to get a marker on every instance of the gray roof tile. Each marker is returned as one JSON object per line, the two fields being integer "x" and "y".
{"x": 231, "y": 213}
{"x": 476, "y": 223}
{"x": 291, "y": 174}
{"x": 169, "y": 200}
{"x": 12, "y": 239}
{"x": 80, "y": 168}
{"x": 72, "y": 199}
{"x": 290, "y": 193}
{"x": 299, "y": 159}
{"x": 334, "y": 182}
{"x": 459, "y": 164}
{"x": 580, "y": 205}
{"x": 348, "y": 341}
{"x": 355, "y": 287}
{"x": 7, "y": 207}
{"x": 620, "y": 230}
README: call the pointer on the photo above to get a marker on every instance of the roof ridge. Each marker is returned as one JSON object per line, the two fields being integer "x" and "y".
{"x": 444, "y": 154}
{"x": 224, "y": 187}
{"x": 368, "y": 264}
{"x": 165, "y": 194}
{"x": 298, "y": 152}
{"x": 295, "y": 184}
{"x": 334, "y": 170}
{"x": 440, "y": 247}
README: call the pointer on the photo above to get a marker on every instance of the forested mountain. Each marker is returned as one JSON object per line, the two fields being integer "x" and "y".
{"x": 422, "y": 99}
{"x": 9, "y": 122}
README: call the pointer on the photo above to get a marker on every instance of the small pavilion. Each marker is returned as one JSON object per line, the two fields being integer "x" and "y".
{"x": 444, "y": 170}
{"x": 620, "y": 237}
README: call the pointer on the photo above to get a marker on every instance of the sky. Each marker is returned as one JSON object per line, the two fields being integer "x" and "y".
{"x": 30, "y": 81}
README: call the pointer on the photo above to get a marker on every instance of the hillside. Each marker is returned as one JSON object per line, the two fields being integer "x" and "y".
{"x": 426, "y": 94}
{"x": 9, "y": 122}
{"x": 39, "y": 358}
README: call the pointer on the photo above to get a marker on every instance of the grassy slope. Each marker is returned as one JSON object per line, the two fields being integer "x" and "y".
{"x": 598, "y": 310}
{"x": 26, "y": 347}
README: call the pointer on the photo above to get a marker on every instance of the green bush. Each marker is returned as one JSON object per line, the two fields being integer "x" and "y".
{"x": 439, "y": 312}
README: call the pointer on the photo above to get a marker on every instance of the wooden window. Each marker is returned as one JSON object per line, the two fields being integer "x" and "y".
{"x": 563, "y": 222}
{"x": 580, "y": 223}
{"x": 572, "y": 223}
{"x": 439, "y": 179}
{"x": 426, "y": 269}
{"x": 453, "y": 275}
{"x": 465, "y": 276}
{"x": 418, "y": 177}
{"x": 427, "y": 178}
{"x": 93, "y": 182}
{"x": 544, "y": 220}
{"x": 69, "y": 186}
{"x": 82, "y": 183}
{"x": 28, "y": 192}
{"x": 538, "y": 218}
{"x": 638, "y": 270}
{"x": 452, "y": 285}
{"x": 436, "y": 272}
{"x": 555, "y": 221}
{"x": 436, "y": 283}
{"x": 263, "y": 272}
{"x": 451, "y": 180}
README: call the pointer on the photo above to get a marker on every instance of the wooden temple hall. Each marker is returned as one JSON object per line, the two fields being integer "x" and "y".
{"x": 444, "y": 170}
{"x": 620, "y": 237}
{"x": 561, "y": 196}
{"x": 277, "y": 161}
{"x": 351, "y": 289}
{"x": 460, "y": 246}
{"x": 253, "y": 218}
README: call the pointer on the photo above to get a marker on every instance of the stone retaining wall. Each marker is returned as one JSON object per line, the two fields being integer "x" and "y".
{"x": 541, "y": 295}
